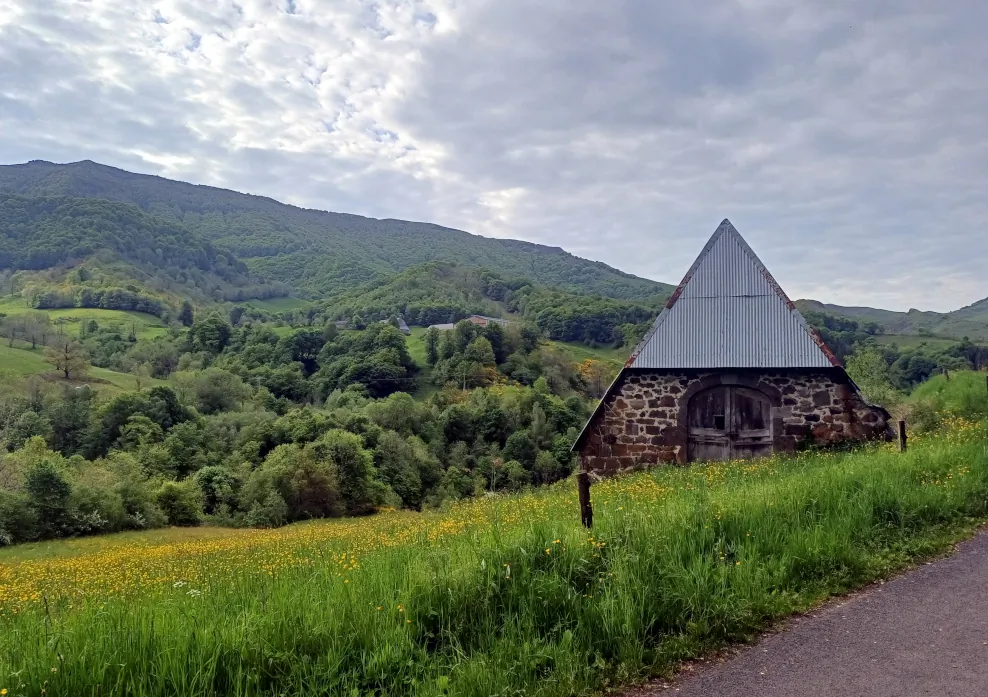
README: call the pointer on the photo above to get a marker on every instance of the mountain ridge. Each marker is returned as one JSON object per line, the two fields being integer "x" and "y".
{"x": 970, "y": 321}
{"x": 327, "y": 255}
{"x": 322, "y": 252}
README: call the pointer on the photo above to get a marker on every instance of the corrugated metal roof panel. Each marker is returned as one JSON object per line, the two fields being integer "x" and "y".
{"x": 755, "y": 331}
{"x": 726, "y": 270}
{"x": 730, "y": 313}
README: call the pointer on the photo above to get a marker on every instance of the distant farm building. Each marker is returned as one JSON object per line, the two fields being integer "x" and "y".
{"x": 479, "y": 320}
{"x": 402, "y": 326}
{"x": 482, "y": 321}
{"x": 730, "y": 369}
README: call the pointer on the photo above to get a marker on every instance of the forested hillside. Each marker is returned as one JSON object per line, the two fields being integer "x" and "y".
{"x": 970, "y": 321}
{"x": 88, "y": 235}
{"x": 76, "y": 252}
{"x": 319, "y": 252}
{"x": 436, "y": 293}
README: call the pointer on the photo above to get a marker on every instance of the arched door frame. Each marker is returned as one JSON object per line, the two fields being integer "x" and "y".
{"x": 746, "y": 380}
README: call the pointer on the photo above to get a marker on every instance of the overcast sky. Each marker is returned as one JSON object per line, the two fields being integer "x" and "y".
{"x": 846, "y": 139}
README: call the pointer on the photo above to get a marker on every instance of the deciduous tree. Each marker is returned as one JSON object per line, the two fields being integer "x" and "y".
{"x": 68, "y": 357}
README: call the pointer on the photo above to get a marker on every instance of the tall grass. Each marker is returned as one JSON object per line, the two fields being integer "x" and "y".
{"x": 963, "y": 393}
{"x": 512, "y": 596}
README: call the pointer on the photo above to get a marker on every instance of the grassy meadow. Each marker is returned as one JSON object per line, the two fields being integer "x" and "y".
{"x": 145, "y": 326}
{"x": 909, "y": 341}
{"x": 22, "y": 362}
{"x": 503, "y": 595}
{"x": 581, "y": 352}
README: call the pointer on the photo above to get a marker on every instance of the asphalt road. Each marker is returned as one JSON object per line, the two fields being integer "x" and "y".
{"x": 924, "y": 633}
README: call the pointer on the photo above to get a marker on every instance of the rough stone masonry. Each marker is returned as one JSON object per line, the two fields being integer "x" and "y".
{"x": 644, "y": 419}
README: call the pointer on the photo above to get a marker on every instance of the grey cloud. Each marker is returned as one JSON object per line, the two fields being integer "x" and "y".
{"x": 845, "y": 139}
{"x": 853, "y": 115}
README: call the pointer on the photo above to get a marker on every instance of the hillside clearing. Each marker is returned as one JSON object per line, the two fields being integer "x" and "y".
{"x": 279, "y": 304}
{"x": 145, "y": 326}
{"x": 24, "y": 362}
{"x": 416, "y": 349}
{"x": 614, "y": 357}
{"x": 906, "y": 341}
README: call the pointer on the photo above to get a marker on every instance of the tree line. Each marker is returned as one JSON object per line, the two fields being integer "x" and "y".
{"x": 263, "y": 427}
{"x": 211, "y": 449}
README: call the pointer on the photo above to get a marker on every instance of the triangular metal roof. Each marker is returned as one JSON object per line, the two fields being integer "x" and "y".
{"x": 729, "y": 312}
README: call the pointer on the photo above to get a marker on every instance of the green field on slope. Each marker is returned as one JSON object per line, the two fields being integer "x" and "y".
{"x": 24, "y": 362}
{"x": 614, "y": 357}
{"x": 145, "y": 326}
{"x": 908, "y": 341}
{"x": 279, "y": 304}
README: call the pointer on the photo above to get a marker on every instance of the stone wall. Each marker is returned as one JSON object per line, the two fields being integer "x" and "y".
{"x": 643, "y": 421}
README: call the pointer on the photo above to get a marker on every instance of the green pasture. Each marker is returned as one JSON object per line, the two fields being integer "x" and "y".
{"x": 909, "y": 341}
{"x": 616, "y": 357}
{"x": 145, "y": 326}
{"x": 24, "y": 362}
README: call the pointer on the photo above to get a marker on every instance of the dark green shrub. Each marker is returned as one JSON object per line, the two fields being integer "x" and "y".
{"x": 345, "y": 451}
{"x": 97, "y": 509}
{"x": 219, "y": 488}
{"x": 309, "y": 486}
{"x": 271, "y": 512}
{"x": 49, "y": 492}
{"x": 18, "y": 520}
{"x": 181, "y": 502}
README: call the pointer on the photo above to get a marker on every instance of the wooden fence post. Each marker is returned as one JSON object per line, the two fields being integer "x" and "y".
{"x": 586, "y": 509}
{"x": 902, "y": 435}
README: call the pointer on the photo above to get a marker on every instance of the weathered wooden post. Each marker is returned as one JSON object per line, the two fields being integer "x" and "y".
{"x": 586, "y": 509}
{"x": 902, "y": 435}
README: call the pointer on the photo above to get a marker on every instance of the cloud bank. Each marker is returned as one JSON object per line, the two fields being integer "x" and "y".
{"x": 844, "y": 139}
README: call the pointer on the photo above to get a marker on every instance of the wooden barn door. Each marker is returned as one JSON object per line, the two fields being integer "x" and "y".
{"x": 752, "y": 435}
{"x": 709, "y": 425}
{"x": 729, "y": 423}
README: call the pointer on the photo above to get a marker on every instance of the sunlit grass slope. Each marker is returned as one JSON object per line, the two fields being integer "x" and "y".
{"x": 145, "y": 326}
{"x": 24, "y": 362}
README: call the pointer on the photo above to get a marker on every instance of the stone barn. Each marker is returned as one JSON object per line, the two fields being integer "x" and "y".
{"x": 730, "y": 369}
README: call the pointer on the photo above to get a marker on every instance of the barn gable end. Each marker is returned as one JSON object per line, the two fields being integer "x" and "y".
{"x": 730, "y": 368}
{"x": 729, "y": 312}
